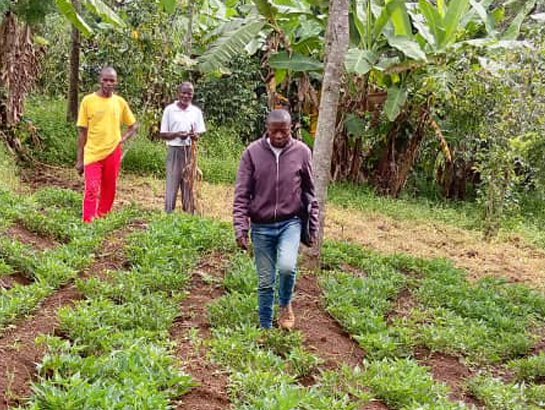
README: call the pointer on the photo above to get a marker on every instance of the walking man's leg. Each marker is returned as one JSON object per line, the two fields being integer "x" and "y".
{"x": 288, "y": 249}
{"x": 174, "y": 170}
{"x": 93, "y": 177}
{"x": 264, "y": 240}
{"x": 108, "y": 186}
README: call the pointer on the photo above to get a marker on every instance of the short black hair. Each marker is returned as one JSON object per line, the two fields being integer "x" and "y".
{"x": 185, "y": 84}
{"x": 108, "y": 69}
{"x": 279, "y": 115}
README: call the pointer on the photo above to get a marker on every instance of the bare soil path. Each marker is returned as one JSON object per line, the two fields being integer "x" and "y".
{"x": 192, "y": 328}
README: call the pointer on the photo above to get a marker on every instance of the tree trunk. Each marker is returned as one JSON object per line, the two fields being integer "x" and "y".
{"x": 188, "y": 39}
{"x": 336, "y": 46}
{"x": 73, "y": 87}
{"x": 19, "y": 65}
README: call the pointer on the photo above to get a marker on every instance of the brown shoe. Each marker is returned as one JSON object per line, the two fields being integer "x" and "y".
{"x": 286, "y": 319}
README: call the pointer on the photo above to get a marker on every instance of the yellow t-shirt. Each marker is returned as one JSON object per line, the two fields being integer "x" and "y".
{"x": 103, "y": 116}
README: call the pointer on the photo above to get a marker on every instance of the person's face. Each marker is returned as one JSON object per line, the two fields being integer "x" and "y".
{"x": 279, "y": 133}
{"x": 108, "y": 81}
{"x": 185, "y": 95}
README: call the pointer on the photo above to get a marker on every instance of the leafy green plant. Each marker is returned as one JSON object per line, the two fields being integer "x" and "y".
{"x": 403, "y": 384}
{"x": 529, "y": 368}
{"x": 497, "y": 395}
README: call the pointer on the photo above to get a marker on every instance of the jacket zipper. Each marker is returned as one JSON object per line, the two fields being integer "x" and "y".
{"x": 276, "y": 184}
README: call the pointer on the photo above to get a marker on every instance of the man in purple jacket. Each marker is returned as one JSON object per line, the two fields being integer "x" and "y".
{"x": 274, "y": 172}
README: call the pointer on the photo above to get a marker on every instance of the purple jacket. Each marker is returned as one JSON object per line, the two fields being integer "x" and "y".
{"x": 267, "y": 191}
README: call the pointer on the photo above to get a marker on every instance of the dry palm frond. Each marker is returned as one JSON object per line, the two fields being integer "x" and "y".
{"x": 442, "y": 141}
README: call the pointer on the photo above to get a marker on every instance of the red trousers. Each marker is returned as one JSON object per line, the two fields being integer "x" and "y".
{"x": 100, "y": 185}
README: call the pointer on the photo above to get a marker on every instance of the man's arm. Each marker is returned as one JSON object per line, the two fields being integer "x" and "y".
{"x": 241, "y": 203}
{"x": 131, "y": 130}
{"x": 82, "y": 140}
{"x": 172, "y": 135}
{"x": 307, "y": 186}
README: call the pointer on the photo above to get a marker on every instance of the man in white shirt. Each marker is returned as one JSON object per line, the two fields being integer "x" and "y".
{"x": 181, "y": 126}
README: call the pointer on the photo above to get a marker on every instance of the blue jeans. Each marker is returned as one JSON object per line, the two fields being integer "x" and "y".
{"x": 276, "y": 246}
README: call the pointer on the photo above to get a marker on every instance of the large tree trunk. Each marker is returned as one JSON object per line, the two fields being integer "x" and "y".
{"x": 73, "y": 86}
{"x": 18, "y": 71}
{"x": 336, "y": 46}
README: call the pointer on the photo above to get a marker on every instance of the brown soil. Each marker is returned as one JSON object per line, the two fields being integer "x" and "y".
{"x": 323, "y": 335}
{"x": 403, "y": 305}
{"x": 539, "y": 347}
{"x": 211, "y": 394}
{"x": 9, "y": 281}
{"x": 22, "y": 234}
{"x": 20, "y": 353}
{"x": 18, "y": 349}
{"x": 449, "y": 370}
{"x": 375, "y": 405}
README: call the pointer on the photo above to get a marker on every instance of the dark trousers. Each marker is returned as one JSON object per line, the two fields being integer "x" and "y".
{"x": 179, "y": 178}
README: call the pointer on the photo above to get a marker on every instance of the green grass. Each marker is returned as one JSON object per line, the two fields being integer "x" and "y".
{"x": 9, "y": 178}
{"x": 219, "y": 149}
{"x": 526, "y": 222}
{"x": 465, "y": 215}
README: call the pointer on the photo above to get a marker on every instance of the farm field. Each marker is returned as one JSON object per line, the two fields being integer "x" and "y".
{"x": 148, "y": 311}
{"x": 421, "y": 124}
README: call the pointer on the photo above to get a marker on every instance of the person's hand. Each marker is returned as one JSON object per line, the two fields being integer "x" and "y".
{"x": 79, "y": 167}
{"x": 193, "y": 136}
{"x": 242, "y": 242}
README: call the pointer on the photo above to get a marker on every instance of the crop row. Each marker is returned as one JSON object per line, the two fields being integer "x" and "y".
{"x": 267, "y": 367}
{"x": 115, "y": 350}
{"x": 485, "y": 323}
{"x": 50, "y": 269}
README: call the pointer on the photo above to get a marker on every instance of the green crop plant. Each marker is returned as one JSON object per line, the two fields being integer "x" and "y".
{"x": 20, "y": 300}
{"x": 497, "y": 395}
{"x": 5, "y": 268}
{"x": 529, "y": 368}
{"x": 140, "y": 375}
{"x": 265, "y": 366}
{"x": 361, "y": 301}
{"x": 116, "y": 351}
{"x": 486, "y": 321}
{"x": 404, "y": 384}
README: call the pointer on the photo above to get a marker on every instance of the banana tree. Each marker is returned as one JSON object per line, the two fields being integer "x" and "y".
{"x": 288, "y": 34}
{"x": 19, "y": 63}
{"x": 401, "y": 42}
